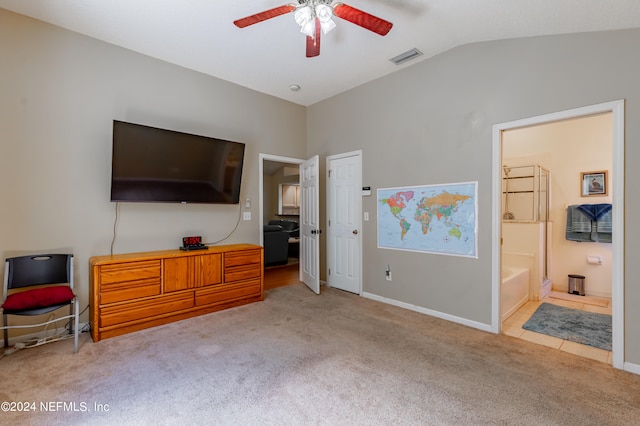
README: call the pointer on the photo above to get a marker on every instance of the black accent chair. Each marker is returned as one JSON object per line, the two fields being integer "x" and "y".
{"x": 276, "y": 245}
{"x": 53, "y": 276}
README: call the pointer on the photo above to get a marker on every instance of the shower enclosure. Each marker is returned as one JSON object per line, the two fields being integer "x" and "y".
{"x": 526, "y": 228}
{"x": 525, "y": 191}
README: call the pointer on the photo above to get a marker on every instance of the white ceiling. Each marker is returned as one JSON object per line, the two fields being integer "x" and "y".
{"x": 270, "y": 56}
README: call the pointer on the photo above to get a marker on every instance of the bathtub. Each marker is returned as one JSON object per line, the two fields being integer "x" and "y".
{"x": 514, "y": 289}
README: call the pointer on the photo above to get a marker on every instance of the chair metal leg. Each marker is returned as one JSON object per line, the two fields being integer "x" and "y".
{"x": 70, "y": 314}
{"x": 76, "y": 327}
{"x": 6, "y": 330}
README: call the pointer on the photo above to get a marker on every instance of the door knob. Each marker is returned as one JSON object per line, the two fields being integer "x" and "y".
{"x": 355, "y": 232}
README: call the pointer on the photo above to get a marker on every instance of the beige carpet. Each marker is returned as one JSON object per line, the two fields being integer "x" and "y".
{"x": 302, "y": 359}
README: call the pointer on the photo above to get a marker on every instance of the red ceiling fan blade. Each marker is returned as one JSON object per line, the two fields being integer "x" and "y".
{"x": 263, "y": 16}
{"x": 313, "y": 44}
{"x": 363, "y": 19}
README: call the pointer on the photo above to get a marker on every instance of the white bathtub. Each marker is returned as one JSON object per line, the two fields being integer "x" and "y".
{"x": 514, "y": 290}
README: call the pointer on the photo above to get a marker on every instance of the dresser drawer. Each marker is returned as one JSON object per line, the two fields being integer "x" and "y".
{"x": 239, "y": 273}
{"x": 239, "y": 258}
{"x": 132, "y": 311}
{"x": 130, "y": 271}
{"x": 129, "y": 290}
{"x": 225, "y": 293}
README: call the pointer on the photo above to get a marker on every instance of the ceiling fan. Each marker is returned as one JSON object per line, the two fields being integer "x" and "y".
{"x": 315, "y": 17}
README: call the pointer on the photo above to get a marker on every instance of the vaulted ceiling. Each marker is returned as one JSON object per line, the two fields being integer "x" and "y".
{"x": 270, "y": 56}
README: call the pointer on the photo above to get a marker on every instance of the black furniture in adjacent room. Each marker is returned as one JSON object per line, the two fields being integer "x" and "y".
{"x": 289, "y": 226}
{"x": 276, "y": 245}
{"x": 281, "y": 241}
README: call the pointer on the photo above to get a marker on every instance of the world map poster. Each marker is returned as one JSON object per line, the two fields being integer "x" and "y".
{"x": 439, "y": 219}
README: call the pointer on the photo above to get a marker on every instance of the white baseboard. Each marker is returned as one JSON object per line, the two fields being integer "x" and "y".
{"x": 452, "y": 318}
{"x": 631, "y": 368}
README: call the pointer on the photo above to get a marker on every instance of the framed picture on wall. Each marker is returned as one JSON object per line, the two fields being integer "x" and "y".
{"x": 593, "y": 183}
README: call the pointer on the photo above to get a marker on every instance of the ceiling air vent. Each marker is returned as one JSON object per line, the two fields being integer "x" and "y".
{"x": 406, "y": 56}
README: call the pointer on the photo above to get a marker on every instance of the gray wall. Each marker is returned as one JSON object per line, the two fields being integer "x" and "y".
{"x": 60, "y": 91}
{"x": 432, "y": 123}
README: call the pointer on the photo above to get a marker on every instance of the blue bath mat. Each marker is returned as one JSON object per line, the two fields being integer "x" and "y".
{"x": 582, "y": 327}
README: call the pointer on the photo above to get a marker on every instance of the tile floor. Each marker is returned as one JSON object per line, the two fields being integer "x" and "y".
{"x": 512, "y": 326}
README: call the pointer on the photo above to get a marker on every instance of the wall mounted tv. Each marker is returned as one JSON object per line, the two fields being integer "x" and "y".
{"x": 157, "y": 165}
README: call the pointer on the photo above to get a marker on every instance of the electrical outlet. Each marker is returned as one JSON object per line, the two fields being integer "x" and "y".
{"x": 247, "y": 203}
{"x": 246, "y": 215}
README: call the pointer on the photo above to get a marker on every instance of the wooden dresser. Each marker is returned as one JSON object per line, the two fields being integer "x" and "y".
{"x": 133, "y": 291}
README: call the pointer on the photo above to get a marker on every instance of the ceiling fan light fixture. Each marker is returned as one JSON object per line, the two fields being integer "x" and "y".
{"x": 304, "y": 17}
{"x": 324, "y": 14}
{"x": 327, "y": 26}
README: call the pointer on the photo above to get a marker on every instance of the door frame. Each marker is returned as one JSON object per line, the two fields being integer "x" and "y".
{"x": 617, "y": 176}
{"x": 261, "y": 159}
{"x": 358, "y": 154}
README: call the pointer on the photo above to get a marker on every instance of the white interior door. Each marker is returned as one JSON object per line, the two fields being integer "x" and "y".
{"x": 309, "y": 226}
{"x": 344, "y": 225}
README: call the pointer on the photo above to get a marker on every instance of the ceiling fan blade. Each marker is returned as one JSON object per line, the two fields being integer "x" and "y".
{"x": 263, "y": 16}
{"x": 363, "y": 19}
{"x": 313, "y": 43}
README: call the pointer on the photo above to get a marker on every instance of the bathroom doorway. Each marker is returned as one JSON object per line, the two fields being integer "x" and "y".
{"x": 556, "y": 156}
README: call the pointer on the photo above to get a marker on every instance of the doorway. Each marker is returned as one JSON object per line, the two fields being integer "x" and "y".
{"x": 542, "y": 166}
{"x": 308, "y": 231}
{"x": 277, "y": 175}
{"x": 616, "y": 109}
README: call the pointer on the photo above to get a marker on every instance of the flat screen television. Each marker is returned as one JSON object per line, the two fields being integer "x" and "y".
{"x": 157, "y": 165}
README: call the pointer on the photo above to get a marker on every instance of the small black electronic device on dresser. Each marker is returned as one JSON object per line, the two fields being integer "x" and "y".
{"x": 193, "y": 243}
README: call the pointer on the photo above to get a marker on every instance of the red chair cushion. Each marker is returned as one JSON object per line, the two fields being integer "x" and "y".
{"x": 38, "y": 298}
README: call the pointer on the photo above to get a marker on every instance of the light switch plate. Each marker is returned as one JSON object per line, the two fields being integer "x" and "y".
{"x": 246, "y": 215}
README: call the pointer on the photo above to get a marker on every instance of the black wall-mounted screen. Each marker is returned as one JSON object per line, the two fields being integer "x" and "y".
{"x": 157, "y": 165}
